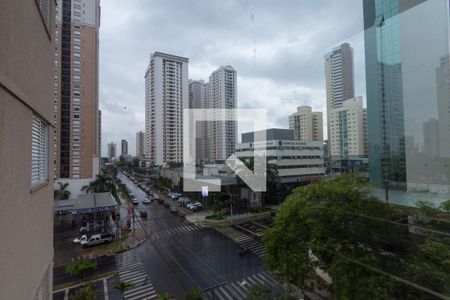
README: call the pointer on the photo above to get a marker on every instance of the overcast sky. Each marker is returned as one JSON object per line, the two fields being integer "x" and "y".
{"x": 276, "y": 47}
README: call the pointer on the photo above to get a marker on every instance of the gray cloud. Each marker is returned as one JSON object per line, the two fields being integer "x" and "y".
{"x": 289, "y": 37}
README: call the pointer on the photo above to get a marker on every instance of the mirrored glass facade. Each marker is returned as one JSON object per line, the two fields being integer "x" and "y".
{"x": 408, "y": 99}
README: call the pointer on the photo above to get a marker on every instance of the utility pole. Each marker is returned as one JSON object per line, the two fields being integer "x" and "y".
{"x": 231, "y": 212}
{"x": 134, "y": 224}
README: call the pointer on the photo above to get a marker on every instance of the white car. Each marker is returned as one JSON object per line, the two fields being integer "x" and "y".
{"x": 147, "y": 200}
{"x": 194, "y": 206}
{"x": 155, "y": 196}
{"x": 80, "y": 239}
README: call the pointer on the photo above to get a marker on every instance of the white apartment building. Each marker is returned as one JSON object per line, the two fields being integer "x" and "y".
{"x": 296, "y": 161}
{"x": 307, "y": 125}
{"x": 222, "y": 94}
{"x": 166, "y": 95}
{"x": 339, "y": 78}
{"x": 348, "y": 134}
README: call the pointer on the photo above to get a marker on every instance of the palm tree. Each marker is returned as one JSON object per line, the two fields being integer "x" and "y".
{"x": 102, "y": 183}
{"x": 123, "y": 286}
{"x": 61, "y": 193}
{"x": 89, "y": 188}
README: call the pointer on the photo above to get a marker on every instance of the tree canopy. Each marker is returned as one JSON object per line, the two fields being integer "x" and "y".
{"x": 366, "y": 246}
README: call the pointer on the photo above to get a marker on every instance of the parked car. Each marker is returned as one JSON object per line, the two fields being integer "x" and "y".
{"x": 175, "y": 195}
{"x": 80, "y": 239}
{"x": 194, "y": 206}
{"x": 98, "y": 239}
{"x": 155, "y": 196}
{"x": 173, "y": 210}
{"x": 183, "y": 201}
{"x": 147, "y": 200}
{"x": 197, "y": 207}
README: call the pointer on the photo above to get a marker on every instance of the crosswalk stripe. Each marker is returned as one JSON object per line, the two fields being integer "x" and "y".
{"x": 225, "y": 293}
{"x": 138, "y": 290}
{"x": 237, "y": 289}
{"x": 136, "y": 279}
{"x": 126, "y": 274}
{"x": 140, "y": 293}
{"x": 131, "y": 270}
{"x": 127, "y": 266}
{"x": 265, "y": 279}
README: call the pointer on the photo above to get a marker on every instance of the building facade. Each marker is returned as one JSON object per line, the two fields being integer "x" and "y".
{"x": 166, "y": 95}
{"x": 77, "y": 126}
{"x": 112, "y": 151}
{"x": 407, "y": 82}
{"x": 339, "y": 78}
{"x": 140, "y": 137}
{"x": 297, "y": 161}
{"x": 26, "y": 148}
{"x": 307, "y": 125}
{"x": 349, "y": 130}
{"x": 124, "y": 149}
{"x": 222, "y": 94}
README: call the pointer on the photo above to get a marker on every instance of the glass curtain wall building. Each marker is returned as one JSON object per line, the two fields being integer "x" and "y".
{"x": 408, "y": 99}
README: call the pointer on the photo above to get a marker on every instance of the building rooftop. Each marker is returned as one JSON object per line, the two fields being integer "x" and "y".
{"x": 271, "y": 134}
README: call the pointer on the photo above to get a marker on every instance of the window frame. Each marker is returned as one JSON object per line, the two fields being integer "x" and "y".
{"x": 39, "y": 151}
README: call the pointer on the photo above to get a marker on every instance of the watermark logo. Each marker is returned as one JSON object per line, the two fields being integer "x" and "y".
{"x": 249, "y": 164}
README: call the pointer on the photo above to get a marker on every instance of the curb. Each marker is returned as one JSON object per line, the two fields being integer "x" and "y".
{"x": 83, "y": 283}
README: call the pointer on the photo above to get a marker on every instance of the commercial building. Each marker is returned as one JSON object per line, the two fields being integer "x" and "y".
{"x": 307, "y": 125}
{"x": 26, "y": 152}
{"x": 124, "y": 149}
{"x": 349, "y": 130}
{"x": 111, "y": 151}
{"x": 140, "y": 137}
{"x": 297, "y": 162}
{"x": 166, "y": 95}
{"x": 76, "y": 114}
{"x": 339, "y": 79}
{"x": 222, "y": 94}
{"x": 407, "y": 80}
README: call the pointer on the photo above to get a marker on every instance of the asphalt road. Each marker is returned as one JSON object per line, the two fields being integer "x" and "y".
{"x": 178, "y": 256}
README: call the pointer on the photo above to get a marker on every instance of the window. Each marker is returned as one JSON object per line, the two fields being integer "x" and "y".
{"x": 39, "y": 151}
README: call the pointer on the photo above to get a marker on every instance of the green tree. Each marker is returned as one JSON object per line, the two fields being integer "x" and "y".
{"x": 163, "y": 296}
{"x": 259, "y": 292}
{"x": 445, "y": 206}
{"x": 194, "y": 294}
{"x": 80, "y": 268}
{"x": 337, "y": 226}
{"x": 88, "y": 292}
{"x": 61, "y": 193}
{"x": 102, "y": 183}
{"x": 123, "y": 286}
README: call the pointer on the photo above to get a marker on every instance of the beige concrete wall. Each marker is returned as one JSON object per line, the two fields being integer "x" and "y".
{"x": 26, "y": 216}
